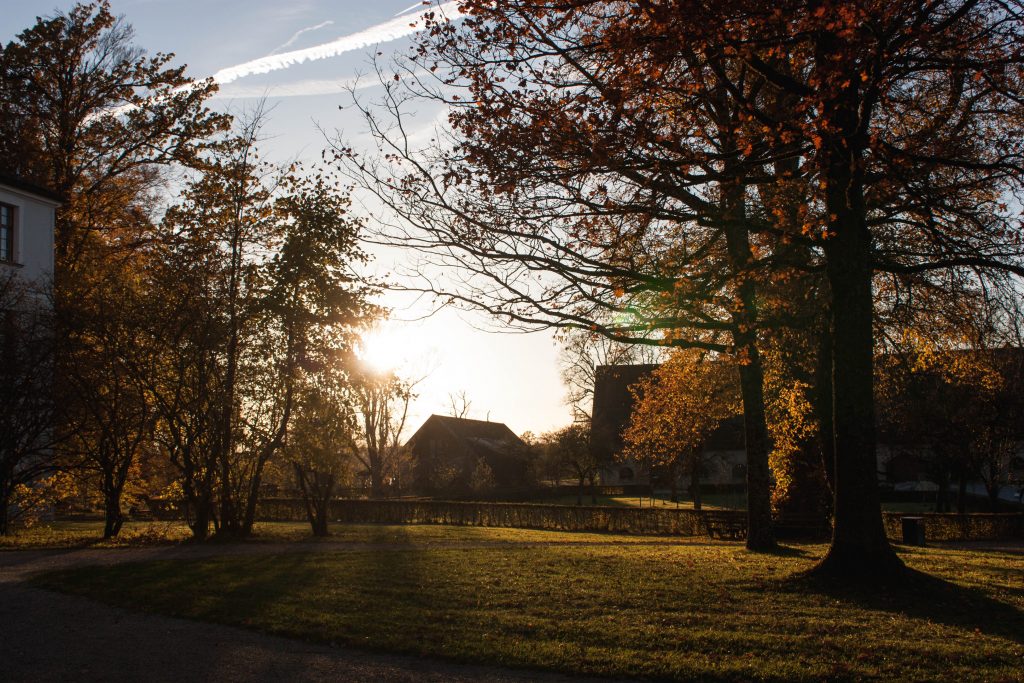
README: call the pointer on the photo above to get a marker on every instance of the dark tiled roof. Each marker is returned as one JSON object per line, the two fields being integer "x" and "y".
{"x": 476, "y": 429}
{"x": 25, "y": 186}
{"x": 613, "y": 404}
{"x": 494, "y": 436}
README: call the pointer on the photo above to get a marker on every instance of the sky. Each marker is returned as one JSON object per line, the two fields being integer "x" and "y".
{"x": 301, "y": 55}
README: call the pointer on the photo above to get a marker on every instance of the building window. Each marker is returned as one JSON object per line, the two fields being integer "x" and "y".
{"x": 6, "y": 233}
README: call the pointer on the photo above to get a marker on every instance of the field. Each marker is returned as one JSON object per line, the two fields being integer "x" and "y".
{"x": 598, "y": 604}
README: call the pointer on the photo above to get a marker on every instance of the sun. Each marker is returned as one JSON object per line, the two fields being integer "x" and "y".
{"x": 384, "y": 348}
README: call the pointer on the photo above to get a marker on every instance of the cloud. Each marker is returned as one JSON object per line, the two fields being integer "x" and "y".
{"x": 295, "y": 36}
{"x": 394, "y": 29}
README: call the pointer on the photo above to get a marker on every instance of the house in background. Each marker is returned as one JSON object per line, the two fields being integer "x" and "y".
{"x": 27, "y": 220}
{"x": 724, "y": 455}
{"x": 454, "y": 456}
{"x": 903, "y": 463}
{"x": 613, "y": 404}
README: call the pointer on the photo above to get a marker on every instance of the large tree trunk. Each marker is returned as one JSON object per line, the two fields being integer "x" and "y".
{"x": 316, "y": 494}
{"x": 5, "y": 505}
{"x": 199, "y": 520}
{"x": 860, "y": 549}
{"x": 376, "y": 479}
{"x": 824, "y": 409}
{"x": 760, "y": 535}
{"x": 113, "y": 518}
{"x": 695, "y": 463}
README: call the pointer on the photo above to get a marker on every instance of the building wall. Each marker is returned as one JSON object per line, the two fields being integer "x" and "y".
{"x": 33, "y": 236}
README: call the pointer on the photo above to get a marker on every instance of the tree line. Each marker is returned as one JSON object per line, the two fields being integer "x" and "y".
{"x": 201, "y": 332}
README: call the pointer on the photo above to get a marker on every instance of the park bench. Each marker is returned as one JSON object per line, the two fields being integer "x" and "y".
{"x": 723, "y": 524}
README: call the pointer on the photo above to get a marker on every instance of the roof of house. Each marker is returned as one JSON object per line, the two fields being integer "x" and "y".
{"x": 16, "y": 183}
{"x": 1008, "y": 361}
{"x": 613, "y": 404}
{"x": 495, "y": 436}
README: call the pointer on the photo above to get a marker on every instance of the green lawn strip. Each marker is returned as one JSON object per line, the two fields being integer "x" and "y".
{"x": 135, "y": 534}
{"x": 693, "y": 610}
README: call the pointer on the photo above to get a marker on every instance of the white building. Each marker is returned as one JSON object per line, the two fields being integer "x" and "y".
{"x": 27, "y": 220}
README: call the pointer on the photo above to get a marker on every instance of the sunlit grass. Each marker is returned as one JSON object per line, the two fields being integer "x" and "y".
{"x": 134, "y": 534}
{"x": 90, "y": 533}
{"x": 683, "y": 609}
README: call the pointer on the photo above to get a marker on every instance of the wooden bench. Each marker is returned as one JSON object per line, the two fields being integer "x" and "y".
{"x": 730, "y": 524}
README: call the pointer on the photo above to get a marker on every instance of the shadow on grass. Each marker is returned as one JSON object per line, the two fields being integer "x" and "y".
{"x": 784, "y": 551}
{"x": 923, "y": 596}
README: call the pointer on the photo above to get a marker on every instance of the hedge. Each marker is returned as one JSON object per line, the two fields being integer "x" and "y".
{"x": 976, "y": 526}
{"x": 642, "y": 521}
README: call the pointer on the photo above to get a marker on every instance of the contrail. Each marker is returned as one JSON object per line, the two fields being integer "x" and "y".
{"x": 295, "y": 36}
{"x": 409, "y": 9}
{"x": 381, "y": 33}
{"x": 394, "y": 29}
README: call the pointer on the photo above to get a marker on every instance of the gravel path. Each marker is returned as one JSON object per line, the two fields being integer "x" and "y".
{"x": 47, "y": 636}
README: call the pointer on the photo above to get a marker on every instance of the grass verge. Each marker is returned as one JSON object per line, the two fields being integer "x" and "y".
{"x": 681, "y": 610}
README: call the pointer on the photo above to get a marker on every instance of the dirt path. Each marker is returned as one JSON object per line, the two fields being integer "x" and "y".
{"x": 47, "y": 636}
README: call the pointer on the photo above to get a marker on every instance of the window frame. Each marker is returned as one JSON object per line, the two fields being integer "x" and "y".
{"x": 12, "y": 234}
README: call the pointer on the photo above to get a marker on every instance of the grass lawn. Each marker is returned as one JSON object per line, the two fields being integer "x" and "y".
{"x": 90, "y": 534}
{"x": 667, "y": 609}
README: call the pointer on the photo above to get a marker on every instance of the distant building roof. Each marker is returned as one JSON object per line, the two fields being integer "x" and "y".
{"x": 613, "y": 404}
{"x": 16, "y": 183}
{"x": 492, "y": 435}
{"x": 1008, "y": 361}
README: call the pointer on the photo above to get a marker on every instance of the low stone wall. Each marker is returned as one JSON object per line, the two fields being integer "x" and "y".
{"x": 953, "y": 527}
{"x": 649, "y": 521}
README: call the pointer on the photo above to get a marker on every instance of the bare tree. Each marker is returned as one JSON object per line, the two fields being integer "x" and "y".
{"x": 582, "y": 351}
{"x": 459, "y": 404}
{"x": 382, "y": 401}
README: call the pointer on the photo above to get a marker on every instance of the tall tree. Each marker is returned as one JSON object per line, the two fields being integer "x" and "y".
{"x": 272, "y": 260}
{"x": 322, "y": 448}
{"x": 574, "y": 194}
{"x": 110, "y": 405}
{"x": 85, "y": 112}
{"x": 895, "y": 124}
{"x": 88, "y": 114}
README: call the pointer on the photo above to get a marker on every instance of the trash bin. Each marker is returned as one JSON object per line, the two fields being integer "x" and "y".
{"x": 913, "y": 530}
